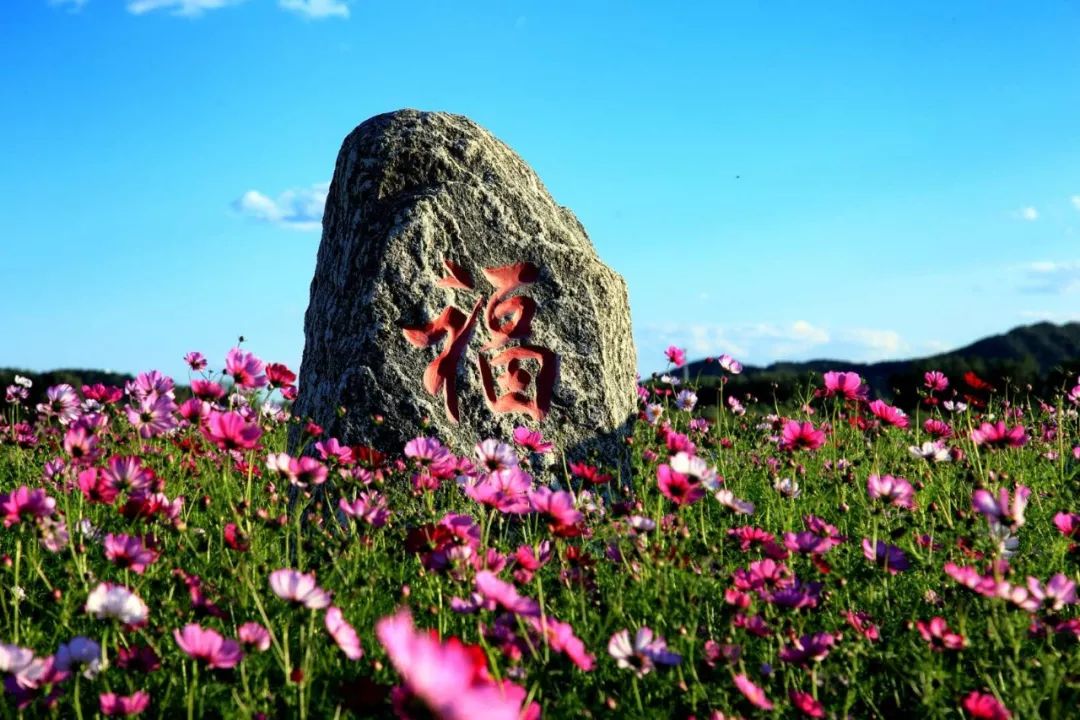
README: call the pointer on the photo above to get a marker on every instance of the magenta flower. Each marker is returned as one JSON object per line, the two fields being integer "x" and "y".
{"x": 847, "y": 385}
{"x": 938, "y": 428}
{"x": 279, "y": 375}
{"x": 752, "y": 692}
{"x": 797, "y": 435}
{"x": 1068, "y": 524}
{"x": 935, "y": 381}
{"x": 446, "y": 677}
{"x": 560, "y": 637}
{"x": 558, "y": 505}
{"x": 997, "y": 435}
{"x": 254, "y": 635}
{"x": 300, "y": 472}
{"x": 890, "y": 557}
{"x": 229, "y": 431}
{"x": 370, "y": 507}
{"x": 808, "y": 648}
{"x": 113, "y": 705}
{"x": 195, "y": 360}
{"x": 207, "y": 390}
{"x": 500, "y": 593}
{"x": 208, "y": 646}
{"x": 806, "y": 704}
{"x": 245, "y": 369}
{"x": 937, "y": 633}
{"x": 297, "y": 587}
{"x": 26, "y": 504}
{"x": 642, "y": 653}
{"x": 532, "y": 439}
{"x": 429, "y": 454}
{"x": 984, "y": 706}
{"x": 894, "y": 490}
{"x": 343, "y": 634}
{"x": 506, "y": 490}
{"x": 152, "y": 416}
{"x": 126, "y": 551}
{"x": 888, "y": 414}
{"x": 676, "y": 356}
{"x": 679, "y": 488}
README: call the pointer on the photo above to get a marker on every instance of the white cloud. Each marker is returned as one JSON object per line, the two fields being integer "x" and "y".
{"x": 875, "y": 344}
{"x": 187, "y": 8}
{"x": 1052, "y": 278}
{"x": 317, "y": 9}
{"x": 1029, "y": 213}
{"x": 297, "y": 209}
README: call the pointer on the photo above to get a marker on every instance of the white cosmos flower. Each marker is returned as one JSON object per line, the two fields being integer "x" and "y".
{"x": 116, "y": 602}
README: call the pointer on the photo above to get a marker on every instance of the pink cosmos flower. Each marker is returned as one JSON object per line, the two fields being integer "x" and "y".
{"x": 195, "y": 360}
{"x": 727, "y": 498}
{"x": 730, "y": 364}
{"x": 696, "y": 468}
{"x": 300, "y": 472}
{"x": 506, "y": 490}
{"x": 938, "y": 428}
{"x": 343, "y": 633}
{"x": 430, "y": 455}
{"x": 527, "y": 560}
{"x": 532, "y": 439}
{"x": 113, "y": 705}
{"x": 126, "y": 551}
{"x": 493, "y": 455}
{"x": 676, "y": 356}
{"x": 116, "y": 602}
{"x": 894, "y": 490}
{"x": 589, "y": 473}
{"x": 245, "y": 369}
{"x": 557, "y": 504}
{"x": 889, "y": 556}
{"x": 152, "y": 416}
{"x": 937, "y": 633}
{"x": 679, "y": 488}
{"x": 797, "y": 435}
{"x": 25, "y": 504}
{"x": 863, "y": 625}
{"x": 935, "y": 381}
{"x": 984, "y": 706}
{"x": 80, "y": 444}
{"x": 207, "y": 390}
{"x": 997, "y": 435}
{"x": 752, "y": 692}
{"x": 298, "y": 587}
{"x": 847, "y": 385}
{"x": 61, "y": 403}
{"x": 229, "y": 431}
{"x": 370, "y": 507}
{"x": 449, "y": 678}
{"x": 560, "y": 636}
{"x": 254, "y": 636}
{"x": 888, "y": 414}
{"x": 128, "y": 473}
{"x": 496, "y": 592}
{"x": 642, "y": 653}
{"x": 1068, "y": 524}
{"x": 209, "y": 646}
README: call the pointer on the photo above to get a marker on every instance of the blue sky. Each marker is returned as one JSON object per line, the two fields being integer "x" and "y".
{"x": 778, "y": 180}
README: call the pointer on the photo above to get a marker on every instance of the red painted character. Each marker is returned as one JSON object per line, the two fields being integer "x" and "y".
{"x": 506, "y": 318}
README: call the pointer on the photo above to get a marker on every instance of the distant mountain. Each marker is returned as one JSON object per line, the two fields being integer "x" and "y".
{"x": 1044, "y": 355}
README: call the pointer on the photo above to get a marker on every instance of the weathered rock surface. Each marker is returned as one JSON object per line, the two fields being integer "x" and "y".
{"x": 421, "y": 204}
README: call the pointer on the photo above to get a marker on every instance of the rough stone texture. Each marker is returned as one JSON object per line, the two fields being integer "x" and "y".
{"x": 410, "y": 190}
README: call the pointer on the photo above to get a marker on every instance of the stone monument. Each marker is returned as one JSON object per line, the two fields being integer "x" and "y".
{"x": 453, "y": 297}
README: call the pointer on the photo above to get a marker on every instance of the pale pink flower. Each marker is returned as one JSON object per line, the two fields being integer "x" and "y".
{"x": 245, "y": 369}
{"x": 752, "y": 692}
{"x": 343, "y": 634}
{"x": 844, "y": 384}
{"x": 113, "y": 705}
{"x": 298, "y": 587}
{"x": 254, "y": 636}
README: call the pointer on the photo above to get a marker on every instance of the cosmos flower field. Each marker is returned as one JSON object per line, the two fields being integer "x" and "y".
{"x": 840, "y": 559}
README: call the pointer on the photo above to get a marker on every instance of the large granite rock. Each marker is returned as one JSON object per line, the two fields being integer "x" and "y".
{"x": 441, "y": 253}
